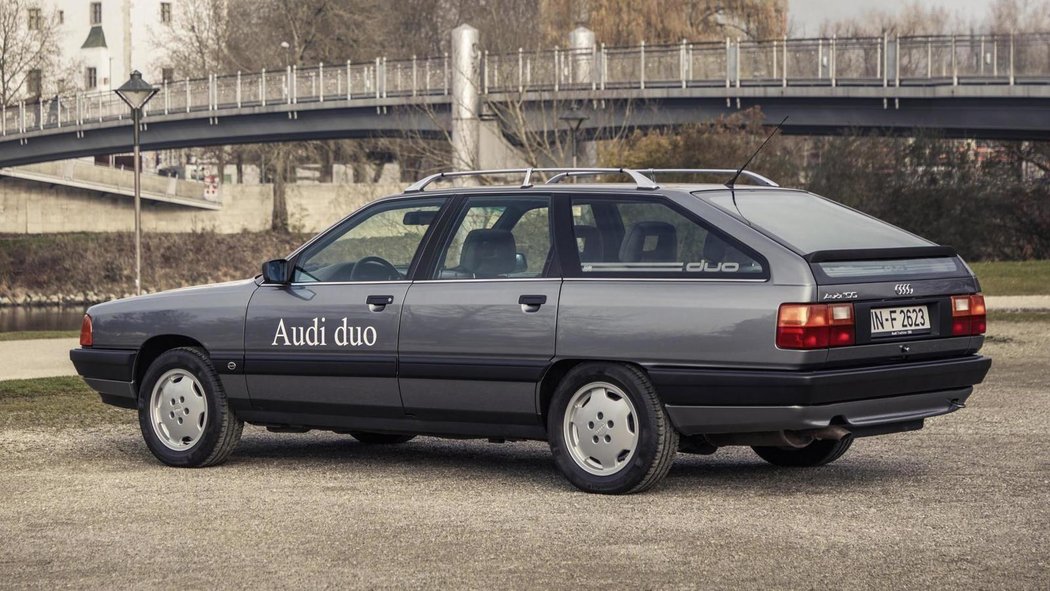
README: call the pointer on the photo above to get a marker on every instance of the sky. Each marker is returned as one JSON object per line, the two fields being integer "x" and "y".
{"x": 806, "y": 16}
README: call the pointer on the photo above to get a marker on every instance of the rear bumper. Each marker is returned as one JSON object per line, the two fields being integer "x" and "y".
{"x": 712, "y": 401}
{"x": 110, "y": 372}
{"x": 695, "y": 420}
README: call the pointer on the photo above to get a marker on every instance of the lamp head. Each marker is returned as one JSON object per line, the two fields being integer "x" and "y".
{"x": 574, "y": 118}
{"x": 136, "y": 92}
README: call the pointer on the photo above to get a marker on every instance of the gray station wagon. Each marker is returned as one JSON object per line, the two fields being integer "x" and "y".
{"x": 622, "y": 322}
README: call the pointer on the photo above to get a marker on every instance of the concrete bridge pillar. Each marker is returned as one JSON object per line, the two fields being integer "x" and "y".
{"x": 582, "y": 44}
{"x": 466, "y": 96}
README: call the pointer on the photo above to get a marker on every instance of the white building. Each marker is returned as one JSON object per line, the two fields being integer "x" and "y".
{"x": 108, "y": 39}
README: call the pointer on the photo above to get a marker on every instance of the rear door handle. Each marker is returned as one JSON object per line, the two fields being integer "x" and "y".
{"x": 532, "y": 303}
{"x": 378, "y": 303}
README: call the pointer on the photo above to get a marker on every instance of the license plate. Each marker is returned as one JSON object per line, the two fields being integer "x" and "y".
{"x": 900, "y": 321}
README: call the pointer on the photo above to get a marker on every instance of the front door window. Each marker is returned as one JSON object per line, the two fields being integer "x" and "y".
{"x": 380, "y": 246}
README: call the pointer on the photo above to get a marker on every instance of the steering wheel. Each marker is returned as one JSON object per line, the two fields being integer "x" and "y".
{"x": 373, "y": 261}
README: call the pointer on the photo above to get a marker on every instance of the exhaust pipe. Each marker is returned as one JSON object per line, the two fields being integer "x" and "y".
{"x": 793, "y": 439}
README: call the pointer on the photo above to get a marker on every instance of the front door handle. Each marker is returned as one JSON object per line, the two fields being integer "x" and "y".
{"x": 531, "y": 303}
{"x": 378, "y": 303}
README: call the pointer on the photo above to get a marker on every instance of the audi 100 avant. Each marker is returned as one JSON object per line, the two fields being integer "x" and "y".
{"x": 622, "y": 322}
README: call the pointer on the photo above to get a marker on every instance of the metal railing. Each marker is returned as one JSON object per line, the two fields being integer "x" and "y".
{"x": 831, "y": 62}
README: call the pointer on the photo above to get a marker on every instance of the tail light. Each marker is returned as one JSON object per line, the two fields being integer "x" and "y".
{"x": 85, "y": 332}
{"x": 815, "y": 326}
{"x": 968, "y": 315}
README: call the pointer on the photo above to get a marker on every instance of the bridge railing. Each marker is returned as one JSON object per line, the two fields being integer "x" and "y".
{"x": 876, "y": 61}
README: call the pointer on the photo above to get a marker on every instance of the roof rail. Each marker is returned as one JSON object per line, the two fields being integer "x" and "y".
{"x": 641, "y": 181}
{"x": 761, "y": 180}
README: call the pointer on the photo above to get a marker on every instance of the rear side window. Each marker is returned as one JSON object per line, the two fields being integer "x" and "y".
{"x": 809, "y": 223}
{"x": 635, "y": 238}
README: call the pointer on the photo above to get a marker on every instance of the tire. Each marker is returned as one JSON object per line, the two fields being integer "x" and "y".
{"x": 818, "y": 453}
{"x": 631, "y": 417}
{"x": 182, "y": 384}
{"x": 371, "y": 438}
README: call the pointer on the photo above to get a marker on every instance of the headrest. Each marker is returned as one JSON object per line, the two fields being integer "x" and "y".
{"x": 716, "y": 250}
{"x": 488, "y": 253}
{"x": 661, "y": 239}
{"x": 591, "y": 249}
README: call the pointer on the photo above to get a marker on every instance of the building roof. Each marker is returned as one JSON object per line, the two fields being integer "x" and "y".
{"x": 95, "y": 38}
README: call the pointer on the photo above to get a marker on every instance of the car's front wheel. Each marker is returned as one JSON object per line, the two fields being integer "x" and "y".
{"x": 184, "y": 414}
{"x": 608, "y": 430}
{"x": 818, "y": 453}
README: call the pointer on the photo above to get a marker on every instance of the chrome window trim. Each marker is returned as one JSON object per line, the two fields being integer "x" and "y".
{"x": 313, "y": 283}
{"x": 687, "y": 279}
{"x": 490, "y": 280}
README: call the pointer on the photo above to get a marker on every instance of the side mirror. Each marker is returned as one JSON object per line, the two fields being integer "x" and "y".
{"x": 520, "y": 264}
{"x": 277, "y": 271}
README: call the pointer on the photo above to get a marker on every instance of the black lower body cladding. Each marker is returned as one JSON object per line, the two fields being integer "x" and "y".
{"x": 702, "y": 387}
{"x": 711, "y": 401}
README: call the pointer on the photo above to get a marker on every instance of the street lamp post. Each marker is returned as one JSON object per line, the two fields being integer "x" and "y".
{"x": 136, "y": 92}
{"x": 574, "y": 118}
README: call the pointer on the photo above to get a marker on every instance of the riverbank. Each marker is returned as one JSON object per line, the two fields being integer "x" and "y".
{"x": 83, "y": 269}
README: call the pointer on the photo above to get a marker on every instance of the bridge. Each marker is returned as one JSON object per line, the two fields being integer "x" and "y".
{"x": 972, "y": 86}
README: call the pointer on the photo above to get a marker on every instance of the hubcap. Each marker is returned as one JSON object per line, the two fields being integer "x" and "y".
{"x": 178, "y": 410}
{"x": 600, "y": 428}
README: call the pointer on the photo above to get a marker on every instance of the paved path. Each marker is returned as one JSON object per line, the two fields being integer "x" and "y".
{"x": 50, "y": 357}
{"x": 1028, "y": 303}
{"x": 37, "y": 358}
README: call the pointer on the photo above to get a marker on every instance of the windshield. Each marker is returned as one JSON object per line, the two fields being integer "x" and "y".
{"x": 809, "y": 223}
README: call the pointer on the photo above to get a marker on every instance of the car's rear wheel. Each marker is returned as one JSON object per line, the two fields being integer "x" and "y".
{"x": 608, "y": 431}
{"x": 380, "y": 438}
{"x": 184, "y": 414}
{"x": 818, "y": 453}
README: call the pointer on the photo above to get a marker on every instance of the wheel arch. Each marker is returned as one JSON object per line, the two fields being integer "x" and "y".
{"x": 559, "y": 369}
{"x": 156, "y": 346}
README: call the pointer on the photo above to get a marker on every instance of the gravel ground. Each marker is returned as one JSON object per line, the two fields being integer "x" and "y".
{"x": 962, "y": 503}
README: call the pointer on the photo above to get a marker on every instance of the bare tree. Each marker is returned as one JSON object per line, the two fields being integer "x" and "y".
{"x": 1019, "y": 16}
{"x": 914, "y": 19}
{"x": 29, "y": 62}
{"x": 627, "y": 22}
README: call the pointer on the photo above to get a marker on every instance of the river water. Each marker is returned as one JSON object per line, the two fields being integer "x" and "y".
{"x": 21, "y": 318}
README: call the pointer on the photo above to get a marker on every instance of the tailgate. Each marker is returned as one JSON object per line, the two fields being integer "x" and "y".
{"x": 902, "y": 302}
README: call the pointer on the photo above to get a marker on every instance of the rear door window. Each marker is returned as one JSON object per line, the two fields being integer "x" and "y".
{"x": 498, "y": 238}
{"x": 648, "y": 238}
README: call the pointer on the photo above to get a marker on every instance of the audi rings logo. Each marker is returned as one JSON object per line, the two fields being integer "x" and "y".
{"x": 903, "y": 289}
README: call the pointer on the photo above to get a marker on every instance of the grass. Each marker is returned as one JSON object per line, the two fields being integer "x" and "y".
{"x": 1004, "y": 316}
{"x": 1014, "y": 277}
{"x": 26, "y": 335}
{"x": 55, "y": 403}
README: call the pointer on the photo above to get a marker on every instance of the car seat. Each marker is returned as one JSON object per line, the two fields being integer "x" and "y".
{"x": 661, "y": 237}
{"x": 488, "y": 253}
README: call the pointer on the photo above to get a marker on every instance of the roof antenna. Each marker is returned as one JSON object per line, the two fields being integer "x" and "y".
{"x": 740, "y": 170}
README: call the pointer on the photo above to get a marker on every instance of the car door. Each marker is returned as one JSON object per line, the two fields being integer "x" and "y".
{"x": 327, "y": 342}
{"x": 478, "y": 327}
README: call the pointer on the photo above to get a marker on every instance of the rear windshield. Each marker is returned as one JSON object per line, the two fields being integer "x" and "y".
{"x": 809, "y": 223}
